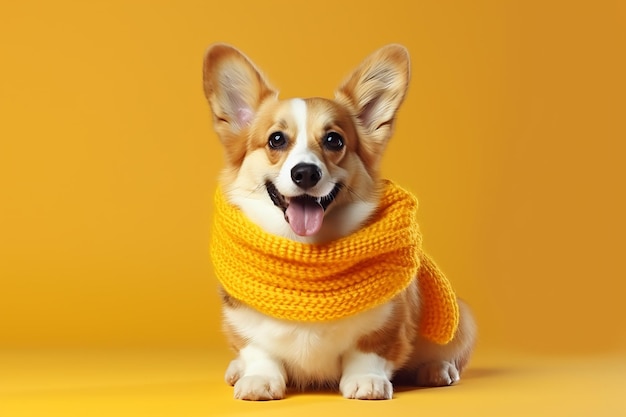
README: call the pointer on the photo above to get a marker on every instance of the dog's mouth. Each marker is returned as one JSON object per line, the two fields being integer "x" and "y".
{"x": 304, "y": 213}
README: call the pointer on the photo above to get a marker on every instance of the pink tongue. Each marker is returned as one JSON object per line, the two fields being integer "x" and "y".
{"x": 305, "y": 216}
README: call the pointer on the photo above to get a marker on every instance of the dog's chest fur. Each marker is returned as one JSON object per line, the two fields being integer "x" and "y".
{"x": 310, "y": 351}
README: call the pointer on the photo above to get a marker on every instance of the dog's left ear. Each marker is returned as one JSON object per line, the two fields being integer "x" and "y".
{"x": 235, "y": 88}
{"x": 374, "y": 92}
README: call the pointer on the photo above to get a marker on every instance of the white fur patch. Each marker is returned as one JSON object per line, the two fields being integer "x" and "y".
{"x": 366, "y": 376}
{"x": 353, "y": 216}
{"x": 263, "y": 378}
{"x": 359, "y": 363}
{"x": 314, "y": 351}
{"x": 302, "y": 153}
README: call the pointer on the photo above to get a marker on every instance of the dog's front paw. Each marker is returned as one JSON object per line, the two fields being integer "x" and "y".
{"x": 366, "y": 387}
{"x": 234, "y": 371}
{"x": 437, "y": 374}
{"x": 260, "y": 388}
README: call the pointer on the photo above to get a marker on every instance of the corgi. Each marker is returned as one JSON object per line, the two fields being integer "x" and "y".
{"x": 307, "y": 170}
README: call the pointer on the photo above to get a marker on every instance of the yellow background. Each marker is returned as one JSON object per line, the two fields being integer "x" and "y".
{"x": 512, "y": 137}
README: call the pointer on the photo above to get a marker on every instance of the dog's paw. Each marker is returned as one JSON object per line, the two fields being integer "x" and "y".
{"x": 260, "y": 388}
{"x": 366, "y": 387}
{"x": 233, "y": 372}
{"x": 437, "y": 374}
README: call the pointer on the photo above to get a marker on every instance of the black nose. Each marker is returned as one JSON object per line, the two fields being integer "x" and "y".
{"x": 306, "y": 176}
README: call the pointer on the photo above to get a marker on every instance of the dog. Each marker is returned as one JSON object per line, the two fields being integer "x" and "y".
{"x": 307, "y": 171}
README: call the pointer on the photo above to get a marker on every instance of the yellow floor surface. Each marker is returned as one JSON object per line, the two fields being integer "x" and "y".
{"x": 181, "y": 383}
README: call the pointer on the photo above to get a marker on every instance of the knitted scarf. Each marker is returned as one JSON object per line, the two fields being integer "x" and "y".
{"x": 321, "y": 282}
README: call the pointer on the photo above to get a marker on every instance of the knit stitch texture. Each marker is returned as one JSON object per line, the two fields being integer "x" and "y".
{"x": 322, "y": 282}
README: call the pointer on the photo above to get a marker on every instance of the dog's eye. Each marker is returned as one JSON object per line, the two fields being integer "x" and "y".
{"x": 277, "y": 140}
{"x": 333, "y": 141}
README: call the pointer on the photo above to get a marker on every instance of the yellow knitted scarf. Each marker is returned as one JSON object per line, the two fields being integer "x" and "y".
{"x": 320, "y": 282}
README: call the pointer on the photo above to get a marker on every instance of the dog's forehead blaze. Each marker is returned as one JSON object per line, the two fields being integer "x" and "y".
{"x": 322, "y": 116}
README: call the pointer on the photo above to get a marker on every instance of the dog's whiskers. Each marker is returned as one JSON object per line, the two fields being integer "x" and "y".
{"x": 354, "y": 193}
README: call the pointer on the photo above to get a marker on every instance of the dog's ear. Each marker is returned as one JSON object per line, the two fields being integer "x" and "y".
{"x": 234, "y": 88}
{"x": 374, "y": 92}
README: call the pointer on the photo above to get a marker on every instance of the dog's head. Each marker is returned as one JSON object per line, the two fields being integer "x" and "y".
{"x": 306, "y": 169}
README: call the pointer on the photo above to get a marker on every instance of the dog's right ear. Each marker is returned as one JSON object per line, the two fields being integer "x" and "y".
{"x": 234, "y": 88}
{"x": 374, "y": 92}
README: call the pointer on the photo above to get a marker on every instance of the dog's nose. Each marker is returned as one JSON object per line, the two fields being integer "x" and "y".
{"x": 306, "y": 176}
